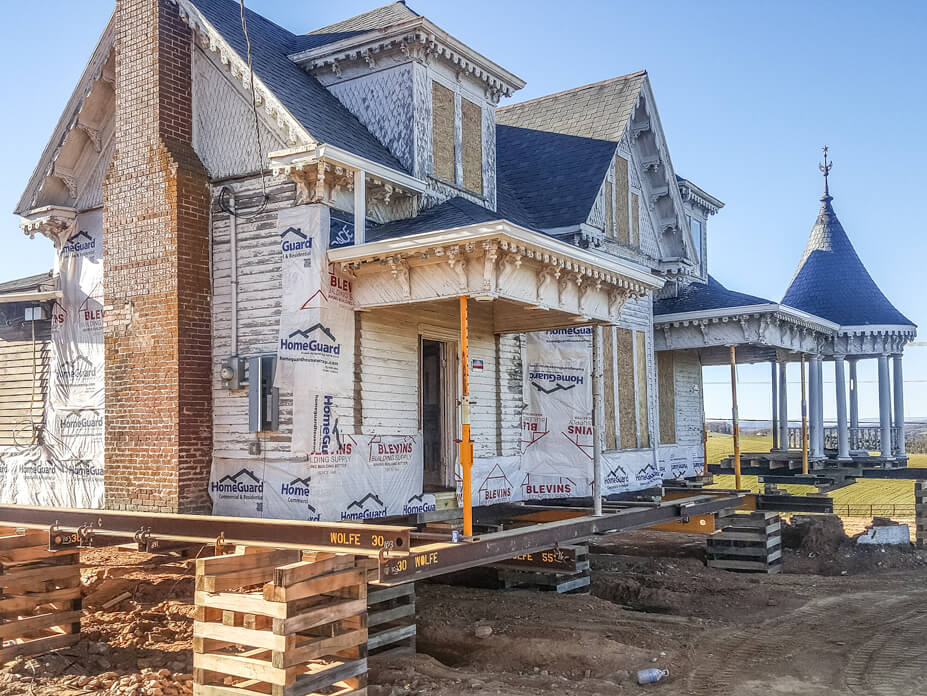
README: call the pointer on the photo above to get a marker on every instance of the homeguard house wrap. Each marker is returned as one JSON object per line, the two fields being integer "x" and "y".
{"x": 328, "y": 277}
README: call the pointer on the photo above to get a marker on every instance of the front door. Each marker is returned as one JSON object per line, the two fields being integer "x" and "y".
{"x": 437, "y": 412}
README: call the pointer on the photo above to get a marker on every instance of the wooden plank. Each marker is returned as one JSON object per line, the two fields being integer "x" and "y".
{"x": 246, "y": 667}
{"x": 317, "y": 586}
{"x": 39, "y": 646}
{"x": 376, "y": 594}
{"x": 247, "y": 603}
{"x": 28, "y": 602}
{"x": 320, "y": 647}
{"x": 378, "y": 618}
{"x": 294, "y": 573}
{"x": 235, "y": 579}
{"x": 313, "y": 682}
{"x": 17, "y": 629}
{"x": 20, "y": 574}
{"x": 31, "y": 537}
{"x": 323, "y": 615}
{"x": 239, "y": 636}
{"x": 388, "y": 636}
{"x": 34, "y": 553}
{"x": 237, "y": 562}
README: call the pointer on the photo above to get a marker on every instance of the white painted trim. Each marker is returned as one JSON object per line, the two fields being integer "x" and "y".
{"x": 905, "y": 329}
{"x": 767, "y": 308}
{"x": 43, "y": 296}
{"x": 489, "y": 230}
{"x": 302, "y": 155}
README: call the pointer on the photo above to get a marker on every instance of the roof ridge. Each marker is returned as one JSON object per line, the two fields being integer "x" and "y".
{"x": 639, "y": 73}
{"x": 324, "y": 29}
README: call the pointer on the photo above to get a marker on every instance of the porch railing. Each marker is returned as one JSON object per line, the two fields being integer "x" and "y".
{"x": 866, "y": 438}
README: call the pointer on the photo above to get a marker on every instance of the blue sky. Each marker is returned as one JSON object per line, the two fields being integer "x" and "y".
{"x": 747, "y": 94}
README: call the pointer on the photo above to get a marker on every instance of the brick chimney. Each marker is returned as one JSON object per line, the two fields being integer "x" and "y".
{"x": 157, "y": 290}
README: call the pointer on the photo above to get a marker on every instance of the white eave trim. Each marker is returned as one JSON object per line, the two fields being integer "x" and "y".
{"x": 34, "y": 296}
{"x": 303, "y": 155}
{"x": 490, "y": 230}
{"x": 905, "y": 329}
{"x": 768, "y": 308}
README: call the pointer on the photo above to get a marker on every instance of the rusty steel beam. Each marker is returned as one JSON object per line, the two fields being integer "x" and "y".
{"x": 436, "y": 559}
{"x": 341, "y": 536}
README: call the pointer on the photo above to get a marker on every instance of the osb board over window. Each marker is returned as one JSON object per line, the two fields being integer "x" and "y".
{"x": 627, "y": 420}
{"x": 635, "y": 221}
{"x": 442, "y": 134}
{"x": 609, "y": 196}
{"x": 471, "y": 134}
{"x": 666, "y": 393}
{"x": 641, "y": 349}
{"x": 608, "y": 377}
{"x": 623, "y": 232}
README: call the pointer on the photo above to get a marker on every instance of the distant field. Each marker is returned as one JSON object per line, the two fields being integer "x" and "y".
{"x": 869, "y": 491}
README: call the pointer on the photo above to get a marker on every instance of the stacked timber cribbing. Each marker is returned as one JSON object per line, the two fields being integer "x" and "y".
{"x": 920, "y": 513}
{"x": 391, "y": 620}
{"x": 564, "y": 569}
{"x": 40, "y": 595}
{"x": 290, "y": 628}
{"x": 747, "y": 542}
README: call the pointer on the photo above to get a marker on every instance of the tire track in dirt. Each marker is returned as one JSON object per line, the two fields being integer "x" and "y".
{"x": 883, "y": 662}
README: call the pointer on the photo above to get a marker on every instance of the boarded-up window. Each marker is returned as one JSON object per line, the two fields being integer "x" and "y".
{"x": 471, "y": 135}
{"x": 641, "y": 349}
{"x": 608, "y": 379}
{"x": 609, "y": 196}
{"x": 627, "y": 400}
{"x": 666, "y": 394}
{"x": 635, "y": 221}
{"x": 442, "y": 134}
{"x": 621, "y": 201}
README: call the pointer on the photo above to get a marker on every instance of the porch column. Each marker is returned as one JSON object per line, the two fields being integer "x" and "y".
{"x": 854, "y": 394}
{"x": 843, "y": 434}
{"x": 814, "y": 407}
{"x": 820, "y": 406}
{"x": 774, "y": 384}
{"x": 783, "y": 406}
{"x": 899, "y": 402}
{"x": 885, "y": 415}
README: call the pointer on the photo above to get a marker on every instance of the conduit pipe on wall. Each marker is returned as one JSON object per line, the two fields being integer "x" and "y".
{"x": 233, "y": 253}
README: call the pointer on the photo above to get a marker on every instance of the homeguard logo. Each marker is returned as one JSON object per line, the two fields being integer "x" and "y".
{"x": 297, "y": 488}
{"x": 579, "y": 331}
{"x": 79, "y": 244}
{"x": 244, "y": 483}
{"x": 559, "y": 381}
{"x": 647, "y": 474}
{"x": 617, "y": 477}
{"x": 367, "y": 508}
{"x": 77, "y": 371}
{"x": 85, "y": 468}
{"x": 302, "y": 341}
{"x": 417, "y": 504}
{"x": 679, "y": 469}
{"x": 294, "y": 243}
{"x": 81, "y": 423}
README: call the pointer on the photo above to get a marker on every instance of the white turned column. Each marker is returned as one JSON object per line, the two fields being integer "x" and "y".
{"x": 816, "y": 407}
{"x": 774, "y": 384}
{"x": 885, "y": 412}
{"x": 783, "y": 406}
{"x": 843, "y": 433}
{"x": 854, "y": 394}
{"x": 899, "y": 402}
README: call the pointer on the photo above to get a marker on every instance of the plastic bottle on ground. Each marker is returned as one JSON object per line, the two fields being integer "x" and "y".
{"x": 649, "y": 676}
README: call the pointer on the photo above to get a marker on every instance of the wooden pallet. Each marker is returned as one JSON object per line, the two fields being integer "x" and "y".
{"x": 391, "y": 621}
{"x": 40, "y": 595}
{"x": 920, "y": 513}
{"x": 271, "y": 623}
{"x": 747, "y": 542}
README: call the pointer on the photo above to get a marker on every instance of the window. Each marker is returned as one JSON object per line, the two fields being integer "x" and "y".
{"x": 442, "y": 135}
{"x": 263, "y": 397}
{"x": 471, "y": 134}
{"x": 696, "y": 227}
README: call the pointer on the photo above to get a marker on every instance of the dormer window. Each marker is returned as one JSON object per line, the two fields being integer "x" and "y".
{"x": 456, "y": 138}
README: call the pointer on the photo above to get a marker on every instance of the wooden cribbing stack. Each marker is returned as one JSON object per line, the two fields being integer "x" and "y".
{"x": 747, "y": 542}
{"x": 920, "y": 513}
{"x": 40, "y": 595}
{"x": 272, "y": 623}
{"x": 562, "y": 570}
{"x": 391, "y": 621}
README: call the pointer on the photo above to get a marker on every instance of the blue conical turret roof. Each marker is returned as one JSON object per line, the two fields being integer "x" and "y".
{"x": 831, "y": 282}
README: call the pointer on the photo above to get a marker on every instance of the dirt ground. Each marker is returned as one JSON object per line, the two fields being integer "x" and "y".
{"x": 840, "y": 620}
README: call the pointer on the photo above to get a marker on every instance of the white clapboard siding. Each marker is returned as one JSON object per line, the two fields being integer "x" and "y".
{"x": 21, "y": 398}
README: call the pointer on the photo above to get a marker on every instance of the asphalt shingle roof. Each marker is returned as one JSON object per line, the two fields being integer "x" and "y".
{"x": 317, "y": 109}
{"x": 378, "y": 18}
{"x": 39, "y": 281}
{"x": 600, "y": 110}
{"x": 549, "y": 180}
{"x": 705, "y": 296}
{"x": 831, "y": 282}
{"x": 454, "y": 212}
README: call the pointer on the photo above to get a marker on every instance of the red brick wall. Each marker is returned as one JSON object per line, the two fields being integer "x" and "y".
{"x": 157, "y": 284}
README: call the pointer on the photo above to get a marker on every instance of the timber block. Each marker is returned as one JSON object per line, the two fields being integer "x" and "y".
{"x": 747, "y": 542}
{"x": 274, "y": 623}
{"x": 40, "y": 595}
{"x": 391, "y": 620}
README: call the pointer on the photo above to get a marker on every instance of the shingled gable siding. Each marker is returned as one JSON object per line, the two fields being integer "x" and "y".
{"x": 157, "y": 329}
{"x": 442, "y": 135}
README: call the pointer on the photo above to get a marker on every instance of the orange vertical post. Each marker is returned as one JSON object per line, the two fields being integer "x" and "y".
{"x": 466, "y": 444}
{"x": 735, "y": 419}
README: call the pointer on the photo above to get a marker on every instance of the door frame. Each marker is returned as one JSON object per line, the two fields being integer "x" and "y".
{"x": 450, "y": 388}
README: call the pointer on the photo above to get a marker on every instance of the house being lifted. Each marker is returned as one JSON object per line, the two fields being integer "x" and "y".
{"x": 326, "y": 277}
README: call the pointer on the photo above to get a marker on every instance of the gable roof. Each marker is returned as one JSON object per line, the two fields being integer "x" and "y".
{"x": 378, "y": 18}
{"x": 831, "y": 282}
{"x": 697, "y": 297}
{"x": 454, "y": 212}
{"x": 600, "y": 110}
{"x": 313, "y": 106}
{"x": 549, "y": 180}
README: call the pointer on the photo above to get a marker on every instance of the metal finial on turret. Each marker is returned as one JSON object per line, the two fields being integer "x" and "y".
{"x": 825, "y": 169}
